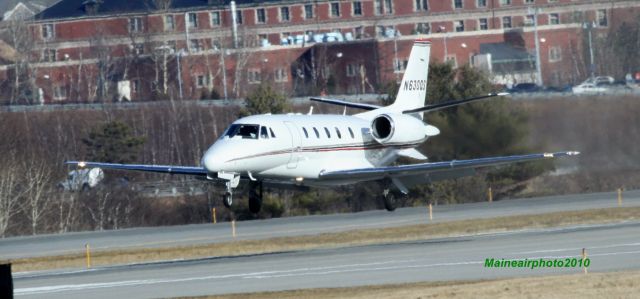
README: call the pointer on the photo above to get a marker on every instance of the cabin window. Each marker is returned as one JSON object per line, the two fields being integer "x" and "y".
{"x": 316, "y": 131}
{"x": 351, "y": 132}
{"x": 327, "y": 131}
{"x": 263, "y": 133}
{"x": 272, "y": 135}
{"x": 243, "y": 130}
{"x": 306, "y": 134}
{"x": 338, "y": 133}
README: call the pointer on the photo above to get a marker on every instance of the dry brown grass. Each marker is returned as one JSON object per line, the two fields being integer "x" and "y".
{"x": 332, "y": 240}
{"x": 592, "y": 285}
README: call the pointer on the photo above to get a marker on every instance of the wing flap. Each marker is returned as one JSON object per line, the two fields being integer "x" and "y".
{"x": 434, "y": 167}
{"x": 171, "y": 169}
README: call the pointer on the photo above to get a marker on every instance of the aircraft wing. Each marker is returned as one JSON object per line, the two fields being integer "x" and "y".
{"x": 453, "y": 168}
{"x": 171, "y": 169}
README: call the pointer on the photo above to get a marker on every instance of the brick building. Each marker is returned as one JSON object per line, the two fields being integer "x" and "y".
{"x": 104, "y": 50}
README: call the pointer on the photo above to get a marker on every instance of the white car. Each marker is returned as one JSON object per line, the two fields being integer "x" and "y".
{"x": 588, "y": 88}
{"x": 82, "y": 179}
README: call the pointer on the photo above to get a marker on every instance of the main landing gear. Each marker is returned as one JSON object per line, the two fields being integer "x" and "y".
{"x": 391, "y": 198}
{"x": 255, "y": 197}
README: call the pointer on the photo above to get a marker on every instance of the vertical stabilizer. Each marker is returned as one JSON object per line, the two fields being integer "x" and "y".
{"x": 413, "y": 89}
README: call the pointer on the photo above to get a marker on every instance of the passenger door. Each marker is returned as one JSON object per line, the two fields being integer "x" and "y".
{"x": 295, "y": 144}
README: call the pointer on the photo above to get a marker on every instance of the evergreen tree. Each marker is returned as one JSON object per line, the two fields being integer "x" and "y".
{"x": 112, "y": 142}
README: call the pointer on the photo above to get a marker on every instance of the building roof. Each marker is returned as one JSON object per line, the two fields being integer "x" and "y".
{"x": 505, "y": 52}
{"x": 76, "y": 8}
{"x": 35, "y": 6}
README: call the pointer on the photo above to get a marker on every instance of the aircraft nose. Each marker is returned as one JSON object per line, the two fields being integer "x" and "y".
{"x": 211, "y": 161}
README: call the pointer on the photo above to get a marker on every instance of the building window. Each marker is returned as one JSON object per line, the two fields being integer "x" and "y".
{"x": 254, "y": 76}
{"x": 49, "y": 55}
{"x": 335, "y": 9}
{"x": 422, "y": 5}
{"x": 284, "y": 14}
{"x": 215, "y": 18}
{"x": 136, "y": 86}
{"x": 202, "y": 81}
{"x": 388, "y": 6}
{"x": 351, "y": 70}
{"x": 601, "y": 15}
{"x": 169, "y": 23}
{"x": 193, "y": 20}
{"x": 423, "y": 28}
{"x": 481, "y": 3}
{"x": 457, "y": 4}
{"x": 554, "y": 19}
{"x": 506, "y": 22}
{"x": 555, "y": 54}
{"x": 357, "y": 8}
{"x": 483, "y": 24}
{"x": 529, "y": 20}
{"x": 308, "y": 11}
{"x": 195, "y": 46}
{"x": 451, "y": 59}
{"x": 138, "y": 49}
{"x": 59, "y": 93}
{"x": 531, "y": 1}
{"x": 261, "y": 17}
{"x": 239, "y": 16}
{"x": 172, "y": 45}
{"x": 135, "y": 25}
{"x": 459, "y": 25}
{"x": 280, "y": 75}
{"x": 505, "y": 2}
{"x": 48, "y": 31}
{"x": 378, "y": 9}
{"x": 399, "y": 65}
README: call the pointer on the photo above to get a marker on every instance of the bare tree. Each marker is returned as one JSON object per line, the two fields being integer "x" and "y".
{"x": 37, "y": 181}
{"x": 9, "y": 194}
{"x": 22, "y": 40}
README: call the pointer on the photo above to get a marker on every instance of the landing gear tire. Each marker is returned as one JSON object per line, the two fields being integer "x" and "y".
{"x": 255, "y": 203}
{"x": 255, "y": 198}
{"x": 227, "y": 199}
{"x": 390, "y": 201}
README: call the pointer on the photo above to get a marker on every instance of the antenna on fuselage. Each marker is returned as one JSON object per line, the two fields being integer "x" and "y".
{"x": 310, "y": 110}
{"x": 344, "y": 112}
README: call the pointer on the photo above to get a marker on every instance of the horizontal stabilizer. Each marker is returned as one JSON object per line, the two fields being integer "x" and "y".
{"x": 345, "y": 103}
{"x": 448, "y": 104}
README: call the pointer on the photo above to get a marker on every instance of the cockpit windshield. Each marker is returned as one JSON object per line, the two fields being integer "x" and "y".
{"x": 243, "y": 130}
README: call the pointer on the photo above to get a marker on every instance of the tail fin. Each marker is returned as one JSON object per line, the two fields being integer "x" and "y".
{"x": 413, "y": 89}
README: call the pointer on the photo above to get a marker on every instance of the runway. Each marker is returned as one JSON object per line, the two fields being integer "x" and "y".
{"x": 610, "y": 247}
{"x": 46, "y": 245}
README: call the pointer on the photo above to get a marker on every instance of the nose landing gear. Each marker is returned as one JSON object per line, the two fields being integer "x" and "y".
{"x": 227, "y": 199}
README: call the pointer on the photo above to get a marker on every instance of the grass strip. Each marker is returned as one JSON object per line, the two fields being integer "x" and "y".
{"x": 568, "y": 286}
{"x": 330, "y": 240}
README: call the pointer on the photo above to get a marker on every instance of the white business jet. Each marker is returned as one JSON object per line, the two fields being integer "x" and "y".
{"x": 330, "y": 150}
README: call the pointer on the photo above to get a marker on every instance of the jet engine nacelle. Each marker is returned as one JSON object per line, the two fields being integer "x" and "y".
{"x": 400, "y": 128}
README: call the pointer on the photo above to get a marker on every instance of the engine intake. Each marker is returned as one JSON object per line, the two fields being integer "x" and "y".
{"x": 400, "y": 129}
{"x": 382, "y": 127}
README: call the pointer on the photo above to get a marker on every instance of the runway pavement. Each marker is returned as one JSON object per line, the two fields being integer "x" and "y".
{"x": 610, "y": 247}
{"x": 45, "y": 245}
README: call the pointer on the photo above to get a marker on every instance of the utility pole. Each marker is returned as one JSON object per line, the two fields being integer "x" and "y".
{"x": 180, "y": 73}
{"x": 592, "y": 67}
{"x": 535, "y": 11}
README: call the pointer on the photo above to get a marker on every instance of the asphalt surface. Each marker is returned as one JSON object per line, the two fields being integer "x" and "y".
{"x": 46, "y": 245}
{"x": 609, "y": 247}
